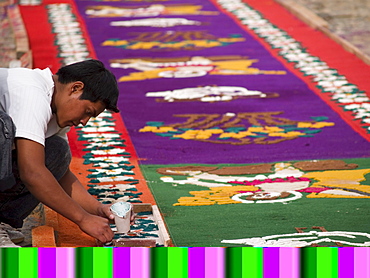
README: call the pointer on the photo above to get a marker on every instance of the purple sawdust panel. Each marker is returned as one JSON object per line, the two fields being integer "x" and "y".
{"x": 137, "y": 53}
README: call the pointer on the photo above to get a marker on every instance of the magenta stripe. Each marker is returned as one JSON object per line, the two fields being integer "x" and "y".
{"x": 139, "y": 263}
{"x": 121, "y": 262}
{"x": 289, "y": 262}
{"x": 65, "y": 262}
{"x": 196, "y": 262}
{"x": 346, "y": 262}
{"x": 361, "y": 262}
{"x": 214, "y": 265}
{"x": 46, "y": 263}
{"x": 271, "y": 262}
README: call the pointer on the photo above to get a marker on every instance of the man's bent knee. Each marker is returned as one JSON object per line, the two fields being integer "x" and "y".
{"x": 57, "y": 156}
{"x": 7, "y": 134}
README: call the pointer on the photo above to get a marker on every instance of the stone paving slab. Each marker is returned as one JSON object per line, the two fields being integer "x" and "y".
{"x": 14, "y": 45}
{"x": 349, "y": 20}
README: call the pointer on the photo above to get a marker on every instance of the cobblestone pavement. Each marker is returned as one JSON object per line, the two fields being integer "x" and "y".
{"x": 349, "y": 19}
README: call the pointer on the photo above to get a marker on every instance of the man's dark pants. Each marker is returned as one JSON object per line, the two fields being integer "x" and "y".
{"x": 16, "y": 202}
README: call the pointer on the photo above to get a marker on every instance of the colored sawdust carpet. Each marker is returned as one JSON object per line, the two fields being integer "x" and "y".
{"x": 250, "y": 127}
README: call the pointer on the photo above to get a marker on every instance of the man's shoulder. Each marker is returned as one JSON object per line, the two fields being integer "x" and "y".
{"x": 32, "y": 78}
{"x": 31, "y": 72}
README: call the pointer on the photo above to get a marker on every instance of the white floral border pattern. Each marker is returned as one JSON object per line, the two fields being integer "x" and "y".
{"x": 104, "y": 145}
{"x": 110, "y": 162}
{"x": 69, "y": 36}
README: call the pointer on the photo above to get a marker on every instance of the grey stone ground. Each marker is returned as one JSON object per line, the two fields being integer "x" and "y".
{"x": 349, "y": 19}
{"x": 35, "y": 219}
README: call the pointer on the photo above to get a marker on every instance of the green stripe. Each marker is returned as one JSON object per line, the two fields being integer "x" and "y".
{"x": 158, "y": 262}
{"x": 252, "y": 262}
{"x": 234, "y": 262}
{"x": 84, "y": 259}
{"x": 177, "y": 262}
{"x": 308, "y": 262}
{"x": 9, "y": 262}
{"x": 102, "y": 262}
{"x": 28, "y": 262}
{"x": 327, "y": 262}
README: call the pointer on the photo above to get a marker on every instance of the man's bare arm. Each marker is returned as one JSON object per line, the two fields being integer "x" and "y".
{"x": 42, "y": 184}
{"x": 76, "y": 190}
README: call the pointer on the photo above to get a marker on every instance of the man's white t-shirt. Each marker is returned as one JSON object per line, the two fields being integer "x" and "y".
{"x": 25, "y": 95}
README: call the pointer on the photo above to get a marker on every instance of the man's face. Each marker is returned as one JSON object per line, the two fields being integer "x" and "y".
{"x": 75, "y": 111}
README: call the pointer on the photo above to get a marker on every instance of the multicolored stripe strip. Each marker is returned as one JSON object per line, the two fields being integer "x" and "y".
{"x": 186, "y": 262}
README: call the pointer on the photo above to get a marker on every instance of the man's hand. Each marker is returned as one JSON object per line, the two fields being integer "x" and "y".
{"x": 104, "y": 211}
{"x": 97, "y": 227}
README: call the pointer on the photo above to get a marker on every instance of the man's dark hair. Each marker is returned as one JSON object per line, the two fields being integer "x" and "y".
{"x": 99, "y": 83}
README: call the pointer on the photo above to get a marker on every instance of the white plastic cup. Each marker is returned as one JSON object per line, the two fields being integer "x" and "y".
{"x": 122, "y": 216}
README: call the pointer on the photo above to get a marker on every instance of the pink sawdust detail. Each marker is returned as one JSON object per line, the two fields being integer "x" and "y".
{"x": 313, "y": 190}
